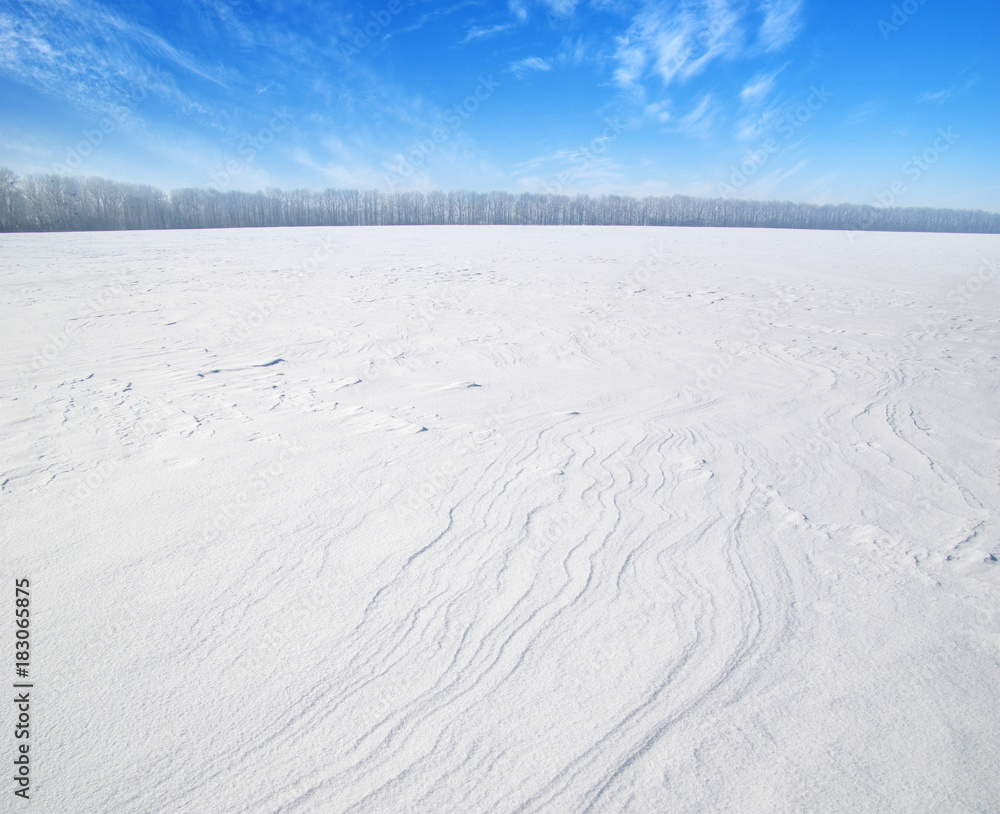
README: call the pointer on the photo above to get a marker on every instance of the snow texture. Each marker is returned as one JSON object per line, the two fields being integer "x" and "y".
{"x": 495, "y": 519}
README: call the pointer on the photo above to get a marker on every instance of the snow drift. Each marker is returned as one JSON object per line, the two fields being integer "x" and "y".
{"x": 506, "y": 519}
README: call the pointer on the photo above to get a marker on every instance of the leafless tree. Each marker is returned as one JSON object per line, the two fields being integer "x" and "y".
{"x": 59, "y": 203}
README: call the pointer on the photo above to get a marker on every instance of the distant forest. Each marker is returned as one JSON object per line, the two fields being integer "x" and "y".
{"x": 60, "y": 203}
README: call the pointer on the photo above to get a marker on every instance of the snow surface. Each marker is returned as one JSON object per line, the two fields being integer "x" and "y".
{"x": 438, "y": 519}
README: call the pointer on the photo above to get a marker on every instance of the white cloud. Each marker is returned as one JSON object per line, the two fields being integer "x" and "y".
{"x": 759, "y": 87}
{"x": 658, "y": 111}
{"x": 424, "y": 19}
{"x": 717, "y": 35}
{"x": 24, "y": 146}
{"x": 480, "y": 33}
{"x": 679, "y": 42}
{"x": 820, "y": 191}
{"x": 760, "y": 114}
{"x": 572, "y": 51}
{"x": 562, "y": 8}
{"x": 699, "y": 121}
{"x": 942, "y": 96}
{"x": 781, "y": 23}
{"x": 523, "y": 66}
{"x": 96, "y": 60}
{"x": 569, "y": 171}
{"x": 632, "y": 61}
{"x": 346, "y": 171}
{"x": 864, "y": 113}
{"x": 759, "y": 125}
{"x": 771, "y": 185}
{"x": 939, "y": 97}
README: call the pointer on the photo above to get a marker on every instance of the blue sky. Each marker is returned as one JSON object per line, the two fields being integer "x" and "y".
{"x": 803, "y": 100}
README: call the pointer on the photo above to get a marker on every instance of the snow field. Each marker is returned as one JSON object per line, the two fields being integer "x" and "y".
{"x": 506, "y": 519}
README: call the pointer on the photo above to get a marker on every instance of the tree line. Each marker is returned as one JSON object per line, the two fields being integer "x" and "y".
{"x": 56, "y": 203}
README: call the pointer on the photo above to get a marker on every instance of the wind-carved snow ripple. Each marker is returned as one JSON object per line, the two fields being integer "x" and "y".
{"x": 643, "y": 567}
{"x": 721, "y": 644}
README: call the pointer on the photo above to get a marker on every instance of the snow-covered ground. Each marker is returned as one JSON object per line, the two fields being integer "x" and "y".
{"x": 504, "y": 519}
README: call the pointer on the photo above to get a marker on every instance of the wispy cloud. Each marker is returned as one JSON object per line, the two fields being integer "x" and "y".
{"x": 561, "y": 8}
{"x": 24, "y": 146}
{"x": 481, "y": 33}
{"x": 430, "y": 16}
{"x": 567, "y": 171}
{"x": 820, "y": 191}
{"x": 572, "y": 51}
{"x": 528, "y": 64}
{"x": 346, "y": 171}
{"x": 699, "y": 121}
{"x": 762, "y": 109}
{"x": 632, "y": 60}
{"x": 160, "y": 46}
{"x": 759, "y": 124}
{"x": 782, "y": 23}
{"x": 759, "y": 87}
{"x": 677, "y": 42}
{"x": 92, "y": 58}
{"x": 659, "y": 111}
{"x": 772, "y": 184}
{"x": 863, "y": 113}
{"x": 941, "y": 96}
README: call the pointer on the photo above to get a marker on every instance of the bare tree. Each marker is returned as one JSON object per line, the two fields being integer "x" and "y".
{"x": 11, "y": 201}
{"x": 58, "y": 203}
